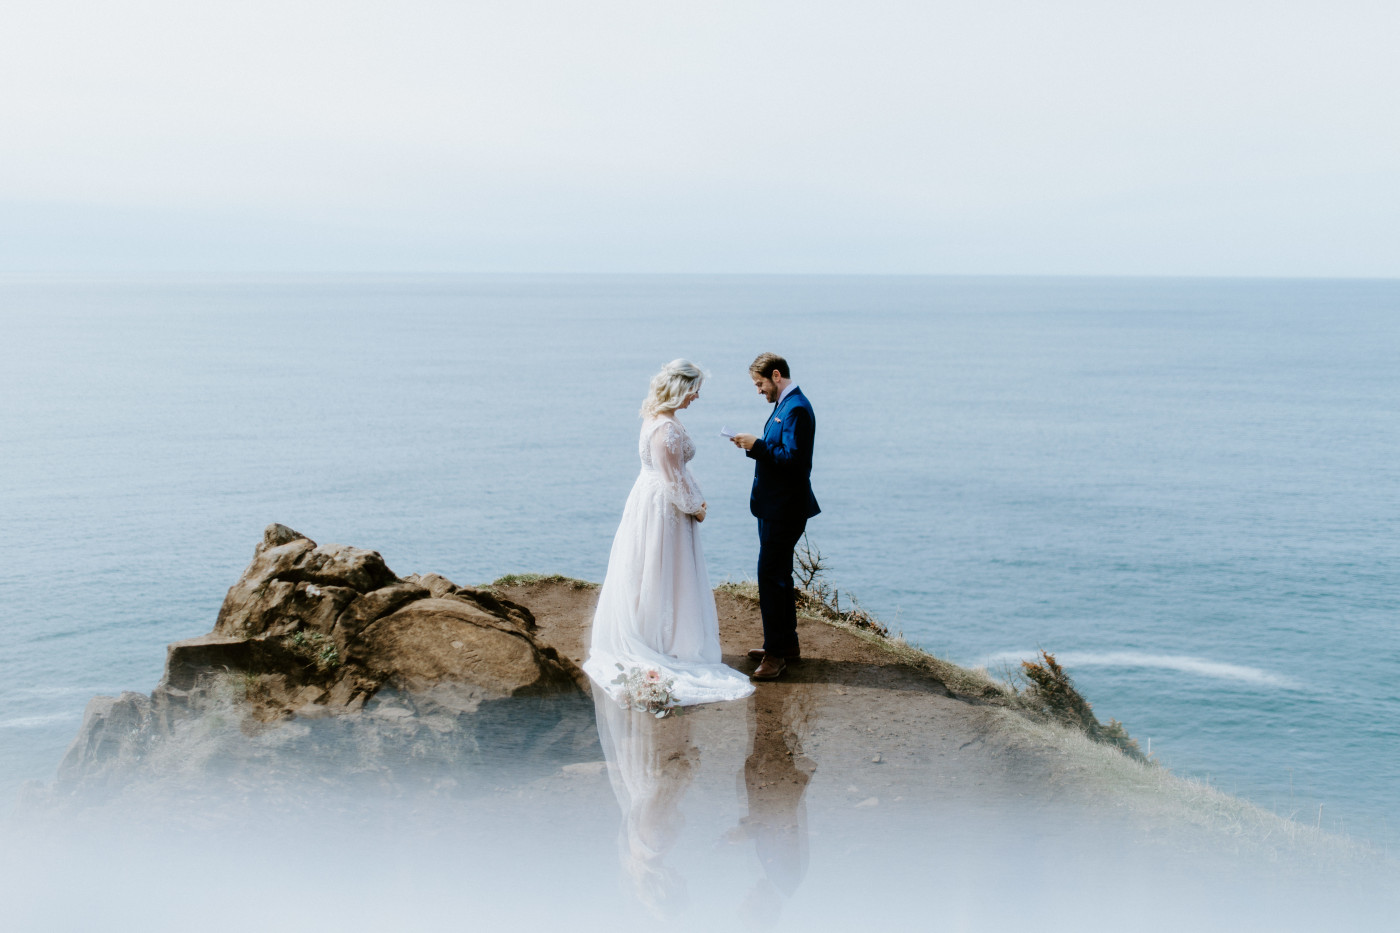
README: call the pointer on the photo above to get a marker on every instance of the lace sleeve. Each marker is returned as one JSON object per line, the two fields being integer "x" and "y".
{"x": 667, "y": 457}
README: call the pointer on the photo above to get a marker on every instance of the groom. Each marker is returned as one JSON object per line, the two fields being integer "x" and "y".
{"x": 782, "y": 501}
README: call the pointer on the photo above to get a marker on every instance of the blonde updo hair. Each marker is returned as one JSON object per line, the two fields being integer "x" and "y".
{"x": 669, "y": 387}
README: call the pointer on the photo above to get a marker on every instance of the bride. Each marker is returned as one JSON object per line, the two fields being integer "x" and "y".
{"x": 655, "y": 641}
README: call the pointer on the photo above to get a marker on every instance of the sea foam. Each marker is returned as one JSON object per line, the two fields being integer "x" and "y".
{"x": 1219, "y": 670}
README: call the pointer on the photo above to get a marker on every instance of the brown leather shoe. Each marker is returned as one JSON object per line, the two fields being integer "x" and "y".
{"x": 771, "y": 669}
{"x": 756, "y": 654}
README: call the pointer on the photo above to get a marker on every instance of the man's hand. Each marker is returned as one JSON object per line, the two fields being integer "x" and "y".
{"x": 700, "y": 515}
{"x": 745, "y": 441}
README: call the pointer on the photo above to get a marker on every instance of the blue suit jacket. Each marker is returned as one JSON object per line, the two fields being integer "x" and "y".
{"x": 782, "y": 473}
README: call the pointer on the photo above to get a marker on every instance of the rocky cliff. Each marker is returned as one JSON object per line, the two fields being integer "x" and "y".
{"x": 390, "y": 669}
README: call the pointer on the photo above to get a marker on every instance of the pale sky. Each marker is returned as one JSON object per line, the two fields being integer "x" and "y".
{"x": 986, "y": 137}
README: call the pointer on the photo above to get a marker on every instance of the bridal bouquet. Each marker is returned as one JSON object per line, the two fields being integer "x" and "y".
{"x": 646, "y": 691}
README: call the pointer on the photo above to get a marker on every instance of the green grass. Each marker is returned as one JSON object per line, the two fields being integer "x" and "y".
{"x": 528, "y": 579}
{"x": 744, "y": 589}
{"x": 317, "y": 648}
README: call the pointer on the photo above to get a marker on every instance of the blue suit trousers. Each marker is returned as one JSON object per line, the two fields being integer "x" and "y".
{"x": 777, "y": 597}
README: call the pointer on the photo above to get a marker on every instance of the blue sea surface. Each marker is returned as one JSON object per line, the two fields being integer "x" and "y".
{"x": 1188, "y": 490}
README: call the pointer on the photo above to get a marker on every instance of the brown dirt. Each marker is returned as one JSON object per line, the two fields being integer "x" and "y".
{"x": 854, "y": 704}
{"x": 874, "y": 732}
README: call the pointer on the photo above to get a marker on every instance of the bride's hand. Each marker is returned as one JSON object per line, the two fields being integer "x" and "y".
{"x": 700, "y": 515}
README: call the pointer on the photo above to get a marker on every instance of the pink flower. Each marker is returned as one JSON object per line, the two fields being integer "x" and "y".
{"x": 653, "y": 677}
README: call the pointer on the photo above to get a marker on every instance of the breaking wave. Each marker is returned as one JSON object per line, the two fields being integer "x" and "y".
{"x": 1186, "y": 664}
{"x": 36, "y": 722}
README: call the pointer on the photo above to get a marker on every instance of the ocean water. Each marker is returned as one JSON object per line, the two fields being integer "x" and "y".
{"x": 1188, "y": 490}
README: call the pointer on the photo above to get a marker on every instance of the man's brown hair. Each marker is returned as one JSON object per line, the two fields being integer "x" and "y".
{"x": 766, "y": 363}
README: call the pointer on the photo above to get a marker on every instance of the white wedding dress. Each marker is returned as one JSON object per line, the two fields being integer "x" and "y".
{"x": 656, "y": 610}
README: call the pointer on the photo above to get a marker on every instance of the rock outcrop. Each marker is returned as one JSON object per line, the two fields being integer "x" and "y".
{"x": 329, "y": 632}
{"x": 331, "y": 625}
